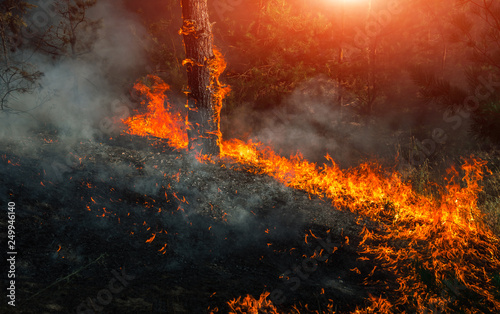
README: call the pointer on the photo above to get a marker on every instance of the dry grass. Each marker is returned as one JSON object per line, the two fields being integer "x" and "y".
{"x": 489, "y": 199}
{"x": 433, "y": 171}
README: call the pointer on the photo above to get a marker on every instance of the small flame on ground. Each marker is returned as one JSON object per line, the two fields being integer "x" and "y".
{"x": 249, "y": 304}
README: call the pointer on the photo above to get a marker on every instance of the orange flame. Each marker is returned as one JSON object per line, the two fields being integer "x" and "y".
{"x": 159, "y": 120}
{"x": 445, "y": 233}
{"x": 251, "y": 305}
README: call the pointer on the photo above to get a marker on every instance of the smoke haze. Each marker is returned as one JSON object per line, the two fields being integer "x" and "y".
{"x": 76, "y": 94}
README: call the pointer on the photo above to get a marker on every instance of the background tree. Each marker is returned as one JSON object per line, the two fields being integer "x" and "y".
{"x": 283, "y": 44}
{"x": 167, "y": 51}
{"x": 289, "y": 42}
{"x": 422, "y": 53}
{"x": 17, "y": 75}
{"x": 473, "y": 32}
{"x": 72, "y": 33}
{"x": 477, "y": 29}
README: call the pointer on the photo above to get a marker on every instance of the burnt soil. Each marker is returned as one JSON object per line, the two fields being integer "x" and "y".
{"x": 86, "y": 213}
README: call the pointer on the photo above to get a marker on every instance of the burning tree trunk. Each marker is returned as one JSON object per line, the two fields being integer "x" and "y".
{"x": 204, "y": 65}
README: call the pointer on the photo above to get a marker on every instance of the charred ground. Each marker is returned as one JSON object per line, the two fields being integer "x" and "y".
{"x": 193, "y": 236}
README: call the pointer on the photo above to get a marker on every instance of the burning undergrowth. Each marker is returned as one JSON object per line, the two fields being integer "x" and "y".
{"x": 427, "y": 240}
{"x": 192, "y": 235}
{"x": 200, "y": 233}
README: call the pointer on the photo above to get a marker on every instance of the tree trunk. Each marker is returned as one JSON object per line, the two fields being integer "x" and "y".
{"x": 203, "y": 68}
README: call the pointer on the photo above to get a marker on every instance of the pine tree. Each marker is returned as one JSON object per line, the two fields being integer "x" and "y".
{"x": 204, "y": 65}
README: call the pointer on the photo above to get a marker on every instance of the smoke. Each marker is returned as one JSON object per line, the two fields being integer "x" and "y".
{"x": 312, "y": 122}
{"x": 75, "y": 94}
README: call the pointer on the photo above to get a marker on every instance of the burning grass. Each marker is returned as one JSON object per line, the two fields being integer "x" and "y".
{"x": 158, "y": 120}
{"x": 440, "y": 248}
{"x": 249, "y": 304}
{"x": 429, "y": 242}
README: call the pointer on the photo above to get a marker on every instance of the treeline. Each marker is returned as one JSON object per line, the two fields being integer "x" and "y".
{"x": 49, "y": 30}
{"x": 415, "y": 57}
{"x": 420, "y": 58}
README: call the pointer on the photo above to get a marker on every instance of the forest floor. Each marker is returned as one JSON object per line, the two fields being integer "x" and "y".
{"x": 130, "y": 226}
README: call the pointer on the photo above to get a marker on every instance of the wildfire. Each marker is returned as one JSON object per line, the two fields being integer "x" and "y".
{"x": 250, "y": 305}
{"x": 159, "y": 121}
{"x": 443, "y": 235}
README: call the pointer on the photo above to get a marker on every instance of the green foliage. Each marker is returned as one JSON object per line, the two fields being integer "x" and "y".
{"x": 280, "y": 49}
{"x": 486, "y": 121}
{"x": 437, "y": 89}
{"x": 288, "y": 42}
{"x": 474, "y": 28}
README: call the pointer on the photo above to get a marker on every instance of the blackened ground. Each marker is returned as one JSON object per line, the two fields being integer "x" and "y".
{"x": 86, "y": 214}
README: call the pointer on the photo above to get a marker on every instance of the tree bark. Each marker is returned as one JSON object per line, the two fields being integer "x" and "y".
{"x": 202, "y": 66}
